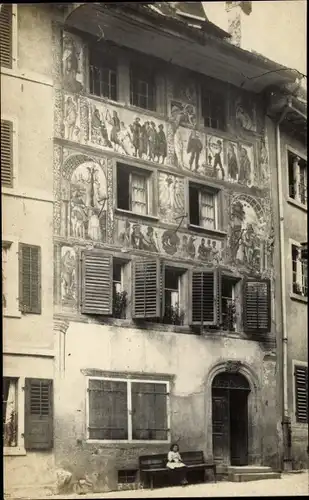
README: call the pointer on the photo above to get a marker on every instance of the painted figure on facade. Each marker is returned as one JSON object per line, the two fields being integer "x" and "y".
{"x": 186, "y": 112}
{"x": 70, "y": 118}
{"x": 245, "y": 114}
{"x": 162, "y": 144}
{"x": 114, "y": 121}
{"x": 237, "y": 217}
{"x": 204, "y": 253}
{"x": 250, "y": 247}
{"x": 88, "y": 200}
{"x": 142, "y": 241}
{"x": 71, "y": 64}
{"x": 171, "y": 197}
{"x": 170, "y": 241}
{"x": 68, "y": 275}
{"x": 244, "y": 176}
{"x": 232, "y": 162}
{"x": 215, "y": 149}
{"x": 98, "y": 130}
{"x": 194, "y": 149}
{"x": 124, "y": 236}
{"x": 175, "y": 119}
{"x": 191, "y": 247}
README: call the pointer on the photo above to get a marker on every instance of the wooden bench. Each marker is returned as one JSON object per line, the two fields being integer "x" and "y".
{"x": 152, "y": 466}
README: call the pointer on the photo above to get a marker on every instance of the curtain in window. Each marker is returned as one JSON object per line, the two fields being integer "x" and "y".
{"x": 139, "y": 194}
{"x": 108, "y": 410}
{"x": 207, "y": 211}
{"x": 9, "y": 412}
{"x": 149, "y": 412}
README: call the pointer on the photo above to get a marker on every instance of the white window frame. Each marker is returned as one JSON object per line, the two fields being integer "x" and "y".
{"x": 300, "y": 296}
{"x": 151, "y": 177}
{"x": 20, "y": 448}
{"x": 295, "y": 201}
{"x": 201, "y": 188}
{"x": 129, "y": 410}
{"x": 295, "y": 363}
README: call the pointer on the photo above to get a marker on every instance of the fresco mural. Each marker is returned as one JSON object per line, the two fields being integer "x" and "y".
{"x": 68, "y": 276}
{"x": 72, "y": 118}
{"x": 125, "y": 133}
{"x": 72, "y": 62}
{"x": 145, "y": 237}
{"x": 214, "y": 157}
{"x": 84, "y": 198}
{"x": 171, "y": 197}
{"x": 245, "y": 113}
{"x": 187, "y": 112}
{"x": 239, "y": 159}
{"x": 248, "y": 231}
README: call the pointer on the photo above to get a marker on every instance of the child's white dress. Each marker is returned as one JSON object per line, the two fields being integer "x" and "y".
{"x": 174, "y": 460}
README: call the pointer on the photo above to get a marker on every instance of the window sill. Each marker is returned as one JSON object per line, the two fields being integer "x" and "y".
{"x": 11, "y": 314}
{"x": 299, "y": 298}
{"x": 211, "y": 232}
{"x": 145, "y": 111}
{"x": 297, "y": 204}
{"x": 14, "y": 451}
{"x": 121, "y": 211}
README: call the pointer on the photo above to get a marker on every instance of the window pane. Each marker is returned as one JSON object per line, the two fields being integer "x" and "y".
{"x": 194, "y": 206}
{"x": 108, "y": 410}
{"x": 103, "y": 75}
{"x": 149, "y": 411}
{"x": 139, "y": 194}
{"x": 123, "y": 199}
{"x": 9, "y": 411}
{"x": 207, "y": 210}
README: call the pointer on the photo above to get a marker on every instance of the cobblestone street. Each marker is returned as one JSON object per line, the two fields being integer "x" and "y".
{"x": 295, "y": 484}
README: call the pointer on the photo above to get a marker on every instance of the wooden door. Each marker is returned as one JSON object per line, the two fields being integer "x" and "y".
{"x": 220, "y": 425}
{"x": 239, "y": 427}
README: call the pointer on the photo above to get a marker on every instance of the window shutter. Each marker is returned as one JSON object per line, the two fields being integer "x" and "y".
{"x": 205, "y": 298}
{"x": 38, "y": 414}
{"x": 30, "y": 278}
{"x": 6, "y": 153}
{"x": 146, "y": 288}
{"x": 6, "y": 36}
{"x": 97, "y": 280}
{"x": 257, "y": 306}
{"x": 301, "y": 393}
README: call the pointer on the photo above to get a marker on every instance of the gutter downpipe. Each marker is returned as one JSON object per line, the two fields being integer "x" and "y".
{"x": 286, "y": 425}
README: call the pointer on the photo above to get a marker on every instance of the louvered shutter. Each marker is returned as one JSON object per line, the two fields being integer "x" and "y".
{"x": 96, "y": 282}
{"x": 301, "y": 393}
{"x": 38, "y": 414}
{"x": 6, "y": 153}
{"x": 257, "y": 306}
{"x": 30, "y": 278}
{"x": 6, "y": 36}
{"x": 205, "y": 298}
{"x": 146, "y": 288}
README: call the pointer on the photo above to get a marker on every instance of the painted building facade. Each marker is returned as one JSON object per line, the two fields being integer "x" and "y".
{"x": 164, "y": 321}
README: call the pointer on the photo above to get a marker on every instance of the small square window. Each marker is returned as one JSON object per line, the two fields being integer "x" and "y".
{"x": 203, "y": 207}
{"x": 134, "y": 190}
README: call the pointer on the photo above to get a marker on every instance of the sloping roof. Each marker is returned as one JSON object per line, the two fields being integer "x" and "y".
{"x": 194, "y": 10}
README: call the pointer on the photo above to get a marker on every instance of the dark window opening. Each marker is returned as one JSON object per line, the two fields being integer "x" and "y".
{"x": 143, "y": 88}
{"x": 228, "y": 308}
{"x": 202, "y": 207}
{"x": 173, "y": 314}
{"x": 299, "y": 272}
{"x": 9, "y": 411}
{"x": 213, "y": 110}
{"x": 297, "y": 176}
{"x": 103, "y": 75}
{"x": 132, "y": 190}
{"x": 119, "y": 294}
{"x": 127, "y": 476}
{"x": 194, "y": 206}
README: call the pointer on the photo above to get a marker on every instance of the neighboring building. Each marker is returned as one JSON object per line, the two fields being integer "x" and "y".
{"x": 27, "y": 246}
{"x": 290, "y": 115}
{"x": 163, "y": 230}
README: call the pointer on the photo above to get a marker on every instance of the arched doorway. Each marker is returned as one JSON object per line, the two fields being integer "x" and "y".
{"x": 230, "y": 418}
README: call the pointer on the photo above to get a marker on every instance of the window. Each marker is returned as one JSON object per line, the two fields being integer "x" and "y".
{"x": 38, "y": 414}
{"x": 127, "y": 410}
{"x": 134, "y": 191}
{"x": 127, "y": 476}
{"x": 30, "y": 279}
{"x": 9, "y": 411}
{"x": 6, "y": 36}
{"x": 257, "y": 306}
{"x": 301, "y": 393}
{"x": 297, "y": 178}
{"x": 228, "y": 306}
{"x": 213, "y": 109}
{"x": 173, "y": 302}
{"x": 102, "y": 284}
{"x": 143, "y": 88}
{"x": 299, "y": 272}
{"x": 203, "y": 207}
{"x": 6, "y": 153}
{"x": 103, "y": 75}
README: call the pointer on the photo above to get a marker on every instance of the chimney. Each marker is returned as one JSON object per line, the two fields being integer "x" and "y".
{"x": 236, "y": 11}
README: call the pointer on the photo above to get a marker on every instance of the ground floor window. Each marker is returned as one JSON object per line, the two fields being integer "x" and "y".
{"x": 127, "y": 410}
{"x": 9, "y": 412}
{"x": 301, "y": 393}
